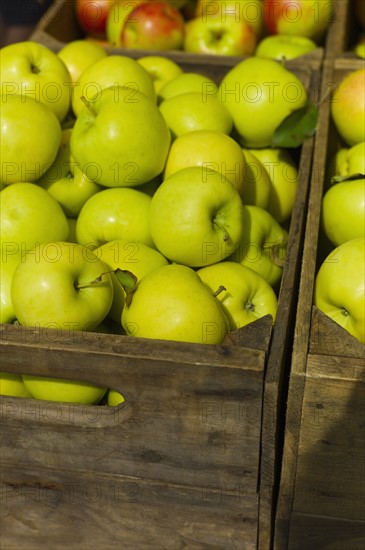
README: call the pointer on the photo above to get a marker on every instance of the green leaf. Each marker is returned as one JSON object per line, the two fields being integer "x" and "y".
{"x": 296, "y": 127}
{"x": 351, "y": 177}
{"x": 129, "y": 283}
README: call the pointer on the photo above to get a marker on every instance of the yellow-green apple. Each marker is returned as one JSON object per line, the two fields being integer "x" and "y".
{"x": 63, "y": 390}
{"x": 347, "y": 161}
{"x": 61, "y": 285}
{"x": 172, "y": 303}
{"x": 263, "y": 244}
{"x": 218, "y": 36}
{"x": 8, "y": 265}
{"x": 78, "y": 55}
{"x": 257, "y": 182}
{"x": 298, "y": 17}
{"x": 29, "y": 139}
{"x": 153, "y": 25}
{"x": 339, "y": 289}
{"x": 114, "y": 398}
{"x": 12, "y": 384}
{"x": 29, "y": 215}
{"x": 214, "y": 151}
{"x": 123, "y": 136}
{"x": 116, "y": 18}
{"x": 359, "y": 48}
{"x": 187, "y": 82}
{"x": 133, "y": 256}
{"x": 343, "y": 211}
{"x": 112, "y": 70}
{"x": 249, "y": 11}
{"x": 348, "y": 107}
{"x": 246, "y": 296}
{"x": 284, "y": 46}
{"x": 283, "y": 174}
{"x": 192, "y": 111}
{"x": 66, "y": 182}
{"x": 260, "y": 93}
{"x": 92, "y": 15}
{"x": 195, "y": 218}
{"x": 33, "y": 70}
{"x": 120, "y": 213}
{"x": 161, "y": 69}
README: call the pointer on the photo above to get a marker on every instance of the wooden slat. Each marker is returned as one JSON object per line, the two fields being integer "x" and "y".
{"x": 323, "y": 374}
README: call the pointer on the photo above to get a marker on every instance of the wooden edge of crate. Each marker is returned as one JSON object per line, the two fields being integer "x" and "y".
{"x": 308, "y": 317}
{"x": 337, "y": 35}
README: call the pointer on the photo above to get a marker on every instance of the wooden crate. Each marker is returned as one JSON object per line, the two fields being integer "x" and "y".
{"x": 322, "y": 488}
{"x": 190, "y": 459}
{"x": 345, "y": 31}
{"x": 59, "y": 26}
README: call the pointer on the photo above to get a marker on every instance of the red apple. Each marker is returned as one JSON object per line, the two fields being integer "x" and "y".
{"x": 298, "y": 17}
{"x": 92, "y": 15}
{"x": 154, "y": 25}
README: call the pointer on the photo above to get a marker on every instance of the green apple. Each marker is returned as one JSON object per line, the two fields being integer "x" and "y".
{"x": 133, "y": 256}
{"x": 348, "y": 107}
{"x": 283, "y": 173}
{"x": 161, "y": 69}
{"x": 111, "y": 214}
{"x": 343, "y": 211}
{"x": 195, "y": 219}
{"x": 122, "y": 136}
{"x": 188, "y": 82}
{"x": 246, "y": 296}
{"x": 192, "y": 111}
{"x": 114, "y": 398}
{"x": 172, "y": 303}
{"x": 249, "y": 11}
{"x": 80, "y": 54}
{"x": 61, "y": 285}
{"x": 218, "y": 36}
{"x": 339, "y": 289}
{"x": 8, "y": 265}
{"x": 260, "y": 93}
{"x": 118, "y": 13}
{"x": 29, "y": 138}
{"x": 12, "y": 384}
{"x": 263, "y": 244}
{"x": 359, "y": 48}
{"x": 347, "y": 161}
{"x": 29, "y": 215}
{"x": 214, "y": 151}
{"x": 284, "y": 46}
{"x": 257, "y": 184}
{"x": 66, "y": 182}
{"x": 112, "y": 70}
{"x": 63, "y": 390}
{"x": 33, "y": 70}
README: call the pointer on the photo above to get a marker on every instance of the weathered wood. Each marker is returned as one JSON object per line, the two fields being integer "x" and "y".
{"x": 324, "y": 434}
{"x": 195, "y": 416}
{"x": 56, "y": 509}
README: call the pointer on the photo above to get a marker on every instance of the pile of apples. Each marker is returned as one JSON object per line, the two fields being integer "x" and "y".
{"x": 269, "y": 28}
{"x": 152, "y": 206}
{"x": 340, "y": 282}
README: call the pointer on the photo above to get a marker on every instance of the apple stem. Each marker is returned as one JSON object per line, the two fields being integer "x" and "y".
{"x": 95, "y": 281}
{"x": 225, "y": 234}
{"x": 89, "y": 106}
{"x": 220, "y": 289}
